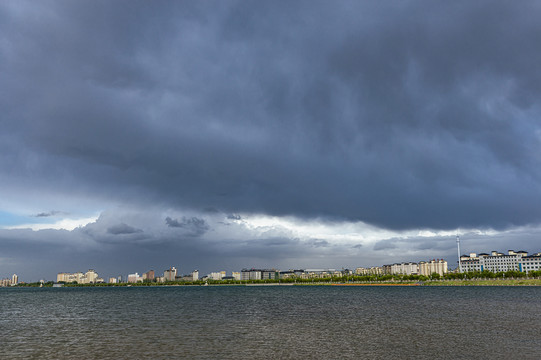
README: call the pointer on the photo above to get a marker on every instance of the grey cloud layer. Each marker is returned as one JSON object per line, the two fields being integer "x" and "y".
{"x": 402, "y": 114}
{"x": 113, "y": 247}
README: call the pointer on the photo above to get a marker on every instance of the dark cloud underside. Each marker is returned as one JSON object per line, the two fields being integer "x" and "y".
{"x": 400, "y": 114}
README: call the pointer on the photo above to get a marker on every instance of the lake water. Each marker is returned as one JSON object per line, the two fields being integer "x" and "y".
{"x": 278, "y": 322}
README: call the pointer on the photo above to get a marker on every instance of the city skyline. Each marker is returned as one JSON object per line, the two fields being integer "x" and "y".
{"x": 520, "y": 260}
{"x": 222, "y": 135}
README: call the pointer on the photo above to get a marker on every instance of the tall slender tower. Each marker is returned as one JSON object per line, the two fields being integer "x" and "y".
{"x": 458, "y": 250}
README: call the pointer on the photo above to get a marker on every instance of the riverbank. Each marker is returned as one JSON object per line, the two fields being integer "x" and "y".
{"x": 485, "y": 282}
{"x": 446, "y": 282}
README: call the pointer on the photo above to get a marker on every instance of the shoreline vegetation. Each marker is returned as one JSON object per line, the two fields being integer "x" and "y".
{"x": 485, "y": 278}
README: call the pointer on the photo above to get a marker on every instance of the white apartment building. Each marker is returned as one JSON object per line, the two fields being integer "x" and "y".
{"x": 427, "y": 268}
{"x": 134, "y": 278}
{"x": 250, "y": 274}
{"x": 531, "y": 263}
{"x": 170, "y": 274}
{"x": 271, "y": 274}
{"x": 90, "y": 277}
{"x": 216, "y": 275}
{"x": 409, "y": 268}
{"x": 499, "y": 262}
{"x": 374, "y": 270}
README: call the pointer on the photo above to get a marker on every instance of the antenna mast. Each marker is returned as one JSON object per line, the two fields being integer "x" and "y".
{"x": 458, "y": 251}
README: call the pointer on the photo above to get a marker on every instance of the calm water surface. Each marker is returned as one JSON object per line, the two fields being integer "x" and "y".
{"x": 279, "y": 322}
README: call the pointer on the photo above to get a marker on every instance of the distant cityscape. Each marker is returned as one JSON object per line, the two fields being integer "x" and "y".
{"x": 494, "y": 262}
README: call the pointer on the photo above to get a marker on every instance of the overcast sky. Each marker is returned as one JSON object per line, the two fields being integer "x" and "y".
{"x": 218, "y": 135}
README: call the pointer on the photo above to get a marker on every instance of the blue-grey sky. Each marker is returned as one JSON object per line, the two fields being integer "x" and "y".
{"x": 137, "y": 135}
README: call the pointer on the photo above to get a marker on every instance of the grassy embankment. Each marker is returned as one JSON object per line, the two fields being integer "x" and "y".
{"x": 486, "y": 282}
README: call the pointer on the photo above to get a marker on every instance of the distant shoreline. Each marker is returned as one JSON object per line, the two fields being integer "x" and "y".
{"x": 441, "y": 283}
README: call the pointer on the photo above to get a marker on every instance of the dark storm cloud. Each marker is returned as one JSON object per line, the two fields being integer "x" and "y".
{"x": 400, "y": 114}
{"x": 194, "y": 225}
{"x": 48, "y": 214}
{"x": 318, "y": 243}
{"x": 123, "y": 229}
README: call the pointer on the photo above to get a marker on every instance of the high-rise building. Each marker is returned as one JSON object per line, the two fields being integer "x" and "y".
{"x": 148, "y": 276}
{"x": 409, "y": 268}
{"x": 14, "y": 280}
{"x": 170, "y": 274}
{"x": 251, "y": 274}
{"x": 90, "y": 277}
{"x": 427, "y": 268}
{"x": 134, "y": 278}
{"x": 195, "y": 275}
{"x": 216, "y": 275}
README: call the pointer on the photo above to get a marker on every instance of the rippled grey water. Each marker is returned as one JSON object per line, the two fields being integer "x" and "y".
{"x": 286, "y": 322}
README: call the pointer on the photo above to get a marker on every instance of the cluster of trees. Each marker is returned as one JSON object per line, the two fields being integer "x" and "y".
{"x": 36, "y": 284}
{"x": 492, "y": 275}
{"x": 335, "y": 279}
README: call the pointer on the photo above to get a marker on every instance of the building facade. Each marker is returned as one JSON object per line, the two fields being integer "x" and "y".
{"x": 250, "y": 274}
{"x": 427, "y": 268}
{"x": 409, "y": 268}
{"x": 134, "y": 278}
{"x": 149, "y": 276}
{"x": 90, "y": 277}
{"x": 170, "y": 274}
{"x": 500, "y": 262}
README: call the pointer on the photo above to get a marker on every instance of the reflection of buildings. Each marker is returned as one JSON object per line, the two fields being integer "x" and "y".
{"x": 499, "y": 262}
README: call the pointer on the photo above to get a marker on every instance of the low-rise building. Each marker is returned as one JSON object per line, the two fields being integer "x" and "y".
{"x": 500, "y": 262}
{"x": 531, "y": 262}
